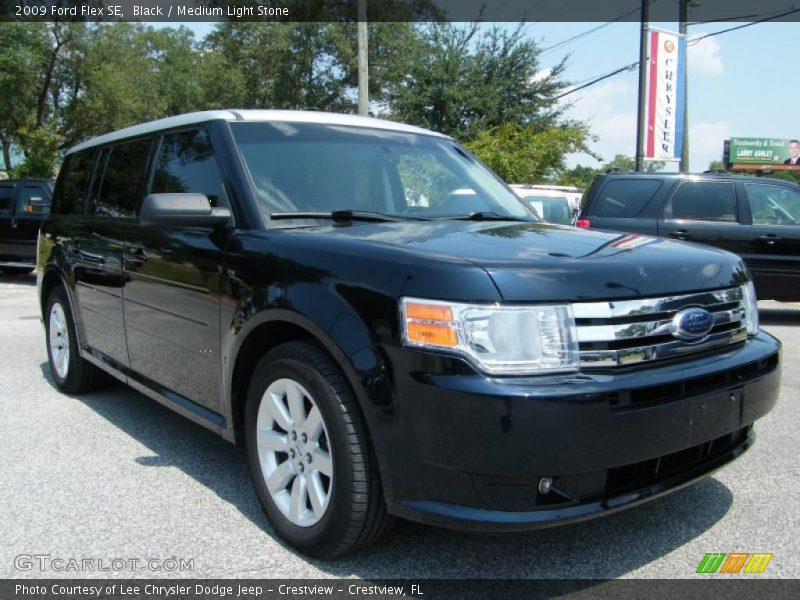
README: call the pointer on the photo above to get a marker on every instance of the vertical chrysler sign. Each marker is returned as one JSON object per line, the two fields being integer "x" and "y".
{"x": 666, "y": 79}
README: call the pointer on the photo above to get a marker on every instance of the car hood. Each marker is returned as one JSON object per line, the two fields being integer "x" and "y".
{"x": 544, "y": 262}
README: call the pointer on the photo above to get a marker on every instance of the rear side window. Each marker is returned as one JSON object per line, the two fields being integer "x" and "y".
{"x": 70, "y": 194}
{"x": 6, "y": 191}
{"x": 186, "y": 163}
{"x": 624, "y": 198}
{"x": 33, "y": 200}
{"x": 123, "y": 180}
{"x": 703, "y": 201}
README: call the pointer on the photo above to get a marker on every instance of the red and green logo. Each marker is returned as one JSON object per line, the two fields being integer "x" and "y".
{"x": 734, "y": 562}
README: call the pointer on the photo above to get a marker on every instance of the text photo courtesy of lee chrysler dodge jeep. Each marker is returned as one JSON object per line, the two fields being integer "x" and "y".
{"x": 319, "y": 288}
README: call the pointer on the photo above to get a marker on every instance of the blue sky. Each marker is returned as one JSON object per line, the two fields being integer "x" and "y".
{"x": 742, "y": 83}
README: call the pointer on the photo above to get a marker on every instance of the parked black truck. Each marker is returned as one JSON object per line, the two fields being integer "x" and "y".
{"x": 758, "y": 218}
{"x": 321, "y": 288}
{"x": 24, "y": 203}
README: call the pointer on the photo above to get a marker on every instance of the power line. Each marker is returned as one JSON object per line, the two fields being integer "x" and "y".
{"x": 630, "y": 67}
{"x": 694, "y": 41}
{"x": 635, "y": 65}
{"x": 589, "y": 32}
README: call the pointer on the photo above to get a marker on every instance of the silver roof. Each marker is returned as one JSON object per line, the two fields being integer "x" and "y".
{"x": 290, "y": 116}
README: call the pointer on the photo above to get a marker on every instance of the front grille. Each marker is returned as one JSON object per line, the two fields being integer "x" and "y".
{"x": 627, "y": 332}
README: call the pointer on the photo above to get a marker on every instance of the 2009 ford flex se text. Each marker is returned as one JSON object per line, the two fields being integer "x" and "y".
{"x": 320, "y": 288}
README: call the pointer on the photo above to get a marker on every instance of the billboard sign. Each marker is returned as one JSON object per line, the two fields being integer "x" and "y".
{"x": 764, "y": 152}
{"x": 666, "y": 78}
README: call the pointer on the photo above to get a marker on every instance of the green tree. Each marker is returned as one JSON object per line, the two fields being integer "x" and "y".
{"x": 628, "y": 163}
{"x": 716, "y": 165}
{"x": 579, "y": 176}
{"x": 310, "y": 66}
{"x": 523, "y": 154}
{"x": 460, "y": 80}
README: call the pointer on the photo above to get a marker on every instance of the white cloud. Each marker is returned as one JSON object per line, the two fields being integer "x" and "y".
{"x": 705, "y": 143}
{"x": 703, "y": 57}
{"x": 540, "y": 75}
{"x": 609, "y": 108}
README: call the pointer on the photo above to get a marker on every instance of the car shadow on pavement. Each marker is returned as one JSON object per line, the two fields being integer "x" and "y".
{"x": 778, "y": 316}
{"x": 29, "y": 279}
{"x": 603, "y": 548}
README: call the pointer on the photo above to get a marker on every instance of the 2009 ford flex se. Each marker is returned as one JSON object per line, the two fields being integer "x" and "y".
{"x": 320, "y": 288}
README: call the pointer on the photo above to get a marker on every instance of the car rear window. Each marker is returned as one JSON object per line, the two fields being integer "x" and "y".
{"x": 623, "y": 198}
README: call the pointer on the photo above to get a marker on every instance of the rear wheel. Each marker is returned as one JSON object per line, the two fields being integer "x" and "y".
{"x": 309, "y": 456}
{"x": 70, "y": 372}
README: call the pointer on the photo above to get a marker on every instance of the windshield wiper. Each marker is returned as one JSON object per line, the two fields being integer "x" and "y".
{"x": 337, "y": 215}
{"x": 486, "y": 216}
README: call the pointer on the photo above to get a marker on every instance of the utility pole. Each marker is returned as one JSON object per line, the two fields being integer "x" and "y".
{"x": 363, "y": 66}
{"x": 682, "y": 17}
{"x": 640, "y": 127}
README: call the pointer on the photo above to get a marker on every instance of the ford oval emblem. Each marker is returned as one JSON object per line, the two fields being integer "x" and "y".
{"x": 692, "y": 323}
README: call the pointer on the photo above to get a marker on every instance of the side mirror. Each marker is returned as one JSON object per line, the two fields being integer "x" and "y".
{"x": 191, "y": 210}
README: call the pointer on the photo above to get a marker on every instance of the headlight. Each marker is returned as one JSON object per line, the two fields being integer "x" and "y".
{"x": 750, "y": 308}
{"x": 500, "y": 340}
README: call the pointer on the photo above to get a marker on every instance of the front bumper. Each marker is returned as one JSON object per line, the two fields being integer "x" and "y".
{"x": 464, "y": 451}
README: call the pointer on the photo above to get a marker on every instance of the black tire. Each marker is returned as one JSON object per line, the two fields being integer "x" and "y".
{"x": 356, "y": 515}
{"x": 17, "y": 270}
{"x": 81, "y": 376}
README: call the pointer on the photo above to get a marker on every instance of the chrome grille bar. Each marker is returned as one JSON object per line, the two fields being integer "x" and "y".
{"x": 605, "y": 342}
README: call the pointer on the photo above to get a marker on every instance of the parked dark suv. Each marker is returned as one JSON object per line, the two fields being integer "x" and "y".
{"x": 24, "y": 203}
{"x": 758, "y": 218}
{"x": 321, "y": 288}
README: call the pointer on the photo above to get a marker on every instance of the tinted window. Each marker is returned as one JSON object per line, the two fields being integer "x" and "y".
{"x": 123, "y": 180}
{"x": 625, "y": 197}
{"x": 702, "y": 201}
{"x": 33, "y": 200}
{"x": 71, "y": 190}
{"x": 186, "y": 163}
{"x": 5, "y": 196}
{"x": 773, "y": 205}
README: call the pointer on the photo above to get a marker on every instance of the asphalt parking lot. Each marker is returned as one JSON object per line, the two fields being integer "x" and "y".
{"x": 114, "y": 475}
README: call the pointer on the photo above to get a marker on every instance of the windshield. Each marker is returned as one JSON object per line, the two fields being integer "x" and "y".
{"x": 311, "y": 167}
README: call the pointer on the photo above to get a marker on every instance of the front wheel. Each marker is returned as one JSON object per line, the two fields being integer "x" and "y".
{"x": 309, "y": 456}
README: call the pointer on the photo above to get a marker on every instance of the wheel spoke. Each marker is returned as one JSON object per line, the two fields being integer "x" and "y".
{"x": 280, "y": 478}
{"x": 321, "y": 461}
{"x": 63, "y": 360}
{"x": 272, "y": 441}
{"x": 316, "y": 493}
{"x": 296, "y": 409}
{"x": 313, "y": 426}
{"x": 277, "y": 410}
{"x": 299, "y": 499}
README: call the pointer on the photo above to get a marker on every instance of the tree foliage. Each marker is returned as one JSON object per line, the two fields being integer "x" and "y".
{"x": 521, "y": 154}
{"x": 460, "y": 80}
{"x": 64, "y": 82}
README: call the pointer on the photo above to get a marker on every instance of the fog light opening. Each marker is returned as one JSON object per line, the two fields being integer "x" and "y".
{"x": 545, "y": 485}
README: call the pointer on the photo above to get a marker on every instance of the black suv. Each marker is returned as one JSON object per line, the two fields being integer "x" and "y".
{"x": 323, "y": 289}
{"x": 24, "y": 203}
{"x": 758, "y": 218}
